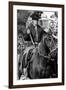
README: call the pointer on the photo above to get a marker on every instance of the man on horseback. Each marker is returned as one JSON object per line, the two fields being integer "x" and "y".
{"x": 34, "y": 31}
{"x": 45, "y": 41}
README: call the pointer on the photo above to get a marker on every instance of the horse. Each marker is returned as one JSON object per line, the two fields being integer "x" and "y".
{"x": 38, "y": 61}
{"x": 38, "y": 66}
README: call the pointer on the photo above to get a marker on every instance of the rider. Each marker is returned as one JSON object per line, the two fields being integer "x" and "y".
{"x": 34, "y": 30}
{"x": 34, "y": 33}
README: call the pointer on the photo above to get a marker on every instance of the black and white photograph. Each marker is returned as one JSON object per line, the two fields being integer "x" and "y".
{"x": 36, "y": 44}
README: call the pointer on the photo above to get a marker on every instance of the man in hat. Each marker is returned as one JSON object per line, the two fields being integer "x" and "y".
{"x": 35, "y": 31}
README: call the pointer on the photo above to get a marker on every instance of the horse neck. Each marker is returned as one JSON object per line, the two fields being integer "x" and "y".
{"x": 43, "y": 49}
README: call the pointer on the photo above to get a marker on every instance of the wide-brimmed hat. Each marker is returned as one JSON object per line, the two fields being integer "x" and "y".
{"x": 36, "y": 15}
